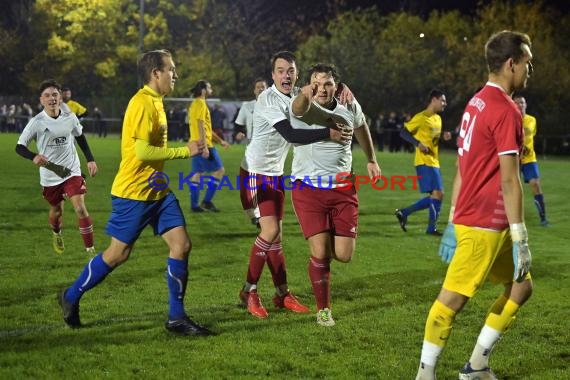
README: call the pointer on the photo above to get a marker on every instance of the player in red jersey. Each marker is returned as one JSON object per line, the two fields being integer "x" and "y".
{"x": 486, "y": 235}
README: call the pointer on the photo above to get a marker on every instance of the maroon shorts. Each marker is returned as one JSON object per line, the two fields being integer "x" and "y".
{"x": 70, "y": 187}
{"x": 263, "y": 194}
{"x": 325, "y": 210}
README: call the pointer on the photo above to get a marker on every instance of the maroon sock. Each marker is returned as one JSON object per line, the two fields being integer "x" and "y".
{"x": 276, "y": 263}
{"x": 86, "y": 231}
{"x": 257, "y": 260}
{"x": 319, "y": 273}
{"x": 55, "y": 224}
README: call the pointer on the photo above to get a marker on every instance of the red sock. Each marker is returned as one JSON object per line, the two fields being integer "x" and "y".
{"x": 276, "y": 263}
{"x": 55, "y": 223}
{"x": 257, "y": 260}
{"x": 86, "y": 231}
{"x": 319, "y": 273}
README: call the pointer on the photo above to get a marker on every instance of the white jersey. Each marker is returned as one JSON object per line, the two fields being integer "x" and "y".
{"x": 318, "y": 164}
{"x": 245, "y": 117}
{"x": 267, "y": 150}
{"x": 55, "y": 139}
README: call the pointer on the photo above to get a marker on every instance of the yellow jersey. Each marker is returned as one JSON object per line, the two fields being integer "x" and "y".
{"x": 426, "y": 129}
{"x": 199, "y": 111}
{"x": 529, "y": 126}
{"x": 144, "y": 119}
{"x": 76, "y": 108}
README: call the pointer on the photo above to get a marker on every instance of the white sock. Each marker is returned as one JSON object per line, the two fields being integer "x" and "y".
{"x": 485, "y": 343}
{"x": 249, "y": 287}
{"x": 425, "y": 372}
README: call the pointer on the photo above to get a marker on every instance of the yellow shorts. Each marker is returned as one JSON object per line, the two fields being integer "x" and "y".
{"x": 479, "y": 254}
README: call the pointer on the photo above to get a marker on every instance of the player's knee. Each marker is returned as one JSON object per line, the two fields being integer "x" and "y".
{"x": 344, "y": 256}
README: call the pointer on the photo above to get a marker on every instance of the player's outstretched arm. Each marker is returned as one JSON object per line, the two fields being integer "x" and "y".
{"x": 146, "y": 152}
{"x": 309, "y": 136}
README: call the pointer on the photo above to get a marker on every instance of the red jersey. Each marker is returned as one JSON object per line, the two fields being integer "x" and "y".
{"x": 491, "y": 126}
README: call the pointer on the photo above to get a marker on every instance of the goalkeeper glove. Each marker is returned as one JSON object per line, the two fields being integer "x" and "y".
{"x": 448, "y": 243}
{"x": 522, "y": 259}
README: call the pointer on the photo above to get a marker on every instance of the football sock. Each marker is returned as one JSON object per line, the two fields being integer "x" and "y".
{"x": 86, "y": 231}
{"x": 257, "y": 259}
{"x": 500, "y": 317}
{"x": 539, "y": 203}
{"x": 419, "y": 205}
{"x": 319, "y": 273}
{"x": 501, "y": 321}
{"x": 55, "y": 223}
{"x": 425, "y": 372}
{"x": 276, "y": 264}
{"x": 213, "y": 185}
{"x": 437, "y": 331}
{"x": 434, "y": 209}
{"x": 177, "y": 278}
{"x": 194, "y": 194}
{"x": 93, "y": 273}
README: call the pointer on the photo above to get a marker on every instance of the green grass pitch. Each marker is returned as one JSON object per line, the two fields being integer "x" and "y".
{"x": 380, "y": 299}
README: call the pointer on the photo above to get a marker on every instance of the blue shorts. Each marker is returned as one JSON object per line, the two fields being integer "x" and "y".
{"x": 130, "y": 217}
{"x": 530, "y": 171}
{"x": 207, "y": 165}
{"x": 430, "y": 178}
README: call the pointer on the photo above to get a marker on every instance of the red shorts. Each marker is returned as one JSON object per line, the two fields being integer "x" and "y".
{"x": 262, "y": 194}
{"x": 325, "y": 210}
{"x": 70, "y": 187}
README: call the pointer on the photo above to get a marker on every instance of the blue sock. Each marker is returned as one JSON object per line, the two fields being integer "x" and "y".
{"x": 539, "y": 203}
{"x": 194, "y": 194}
{"x": 434, "y": 209}
{"x": 212, "y": 188}
{"x": 419, "y": 205}
{"x": 177, "y": 278}
{"x": 93, "y": 273}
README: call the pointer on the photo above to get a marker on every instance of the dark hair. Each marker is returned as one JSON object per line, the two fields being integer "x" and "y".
{"x": 504, "y": 45}
{"x": 150, "y": 61}
{"x": 435, "y": 93}
{"x": 198, "y": 87}
{"x": 327, "y": 68}
{"x": 259, "y": 79}
{"x": 65, "y": 88}
{"x": 49, "y": 83}
{"x": 284, "y": 54}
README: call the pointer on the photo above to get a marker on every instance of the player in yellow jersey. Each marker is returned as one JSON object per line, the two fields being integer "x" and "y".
{"x": 209, "y": 161}
{"x": 78, "y": 109}
{"x": 424, "y": 131}
{"x": 529, "y": 164}
{"x": 140, "y": 197}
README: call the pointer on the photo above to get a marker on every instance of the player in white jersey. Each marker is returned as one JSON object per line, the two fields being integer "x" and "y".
{"x": 55, "y": 132}
{"x": 244, "y": 119}
{"x": 262, "y": 192}
{"x": 325, "y": 202}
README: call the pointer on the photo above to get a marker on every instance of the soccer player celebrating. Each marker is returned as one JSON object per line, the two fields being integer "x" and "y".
{"x": 327, "y": 212}
{"x": 528, "y": 161}
{"x": 209, "y": 161}
{"x": 423, "y": 131}
{"x": 55, "y": 132}
{"x": 137, "y": 204}
{"x": 486, "y": 235}
{"x": 262, "y": 192}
